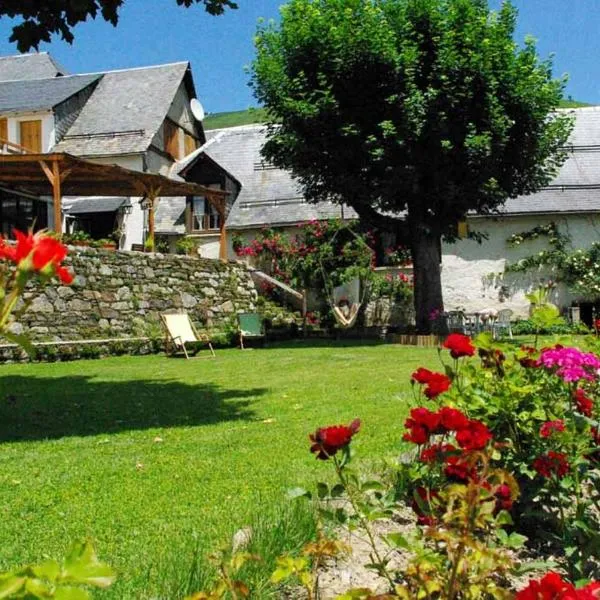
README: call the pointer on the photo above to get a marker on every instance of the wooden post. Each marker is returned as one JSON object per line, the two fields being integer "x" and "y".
{"x": 55, "y": 179}
{"x": 152, "y": 195}
{"x": 57, "y": 197}
{"x": 304, "y": 311}
{"x": 220, "y": 204}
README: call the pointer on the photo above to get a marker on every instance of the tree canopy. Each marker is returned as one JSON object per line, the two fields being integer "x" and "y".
{"x": 414, "y": 112}
{"x": 44, "y": 18}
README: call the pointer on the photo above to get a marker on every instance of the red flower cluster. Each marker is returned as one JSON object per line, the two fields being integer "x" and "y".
{"x": 552, "y": 463}
{"x": 585, "y": 405}
{"x": 526, "y": 357}
{"x": 552, "y": 587}
{"x": 437, "y": 383}
{"x": 503, "y": 495}
{"x": 37, "y": 252}
{"x": 422, "y": 423}
{"x": 459, "y": 345}
{"x": 326, "y": 441}
{"x": 549, "y": 427}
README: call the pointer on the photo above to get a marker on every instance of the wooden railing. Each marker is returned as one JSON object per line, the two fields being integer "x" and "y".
{"x": 7, "y": 147}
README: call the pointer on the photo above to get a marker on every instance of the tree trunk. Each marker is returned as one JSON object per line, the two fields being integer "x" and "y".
{"x": 426, "y": 255}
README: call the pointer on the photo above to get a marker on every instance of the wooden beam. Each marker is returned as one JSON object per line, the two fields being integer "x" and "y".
{"x": 47, "y": 171}
{"x": 152, "y": 194}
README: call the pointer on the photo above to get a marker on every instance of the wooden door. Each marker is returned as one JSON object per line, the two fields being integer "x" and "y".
{"x": 4, "y": 130}
{"x": 30, "y": 135}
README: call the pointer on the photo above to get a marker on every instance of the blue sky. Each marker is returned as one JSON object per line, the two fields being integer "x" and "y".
{"x": 159, "y": 31}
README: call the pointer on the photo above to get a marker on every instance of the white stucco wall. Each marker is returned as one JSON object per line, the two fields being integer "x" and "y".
{"x": 47, "y": 119}
{"x": 468, "y": 268}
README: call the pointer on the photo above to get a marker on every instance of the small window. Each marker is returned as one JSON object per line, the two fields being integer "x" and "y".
{"x": 171, "y": 133}
{"x": 204, "y": 215}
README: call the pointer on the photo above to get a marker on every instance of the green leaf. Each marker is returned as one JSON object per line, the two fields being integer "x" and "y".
{"x": 22, "y": 341}
{"x": 322, "y": 490}
{"x": 397, "y": 540}
{"x": 504, "y": 518}
{"x": 82, "y": 566}
{"x": 49, "y": 570}
{"x": 10, "y": 584}
{"x": 337, "y": 490}
{"x": 536, "y": 565}
{"x": 71, "y": 593}
{"x": 298, "y": 492}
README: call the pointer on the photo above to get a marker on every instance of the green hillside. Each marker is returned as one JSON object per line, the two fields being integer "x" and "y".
{"x": 236, "y": 118}
{"x": 259, "y": 115}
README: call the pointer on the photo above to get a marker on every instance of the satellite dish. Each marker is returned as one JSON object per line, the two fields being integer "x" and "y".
{"x": 197, "y": 109}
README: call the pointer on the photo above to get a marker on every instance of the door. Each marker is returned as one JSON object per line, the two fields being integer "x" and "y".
{"x": 30, "y": 135}
{"x": 4, "y": 130}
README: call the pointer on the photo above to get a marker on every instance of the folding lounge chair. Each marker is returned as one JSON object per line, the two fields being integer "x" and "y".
{"x": 250, "y": 327}
{"x": 181, "y": 331}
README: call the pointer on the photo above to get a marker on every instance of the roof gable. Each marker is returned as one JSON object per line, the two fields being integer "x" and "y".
{"x": 29, "y": 66}
{"x": 125, "y": 111}
{"x": 41, "y": 94}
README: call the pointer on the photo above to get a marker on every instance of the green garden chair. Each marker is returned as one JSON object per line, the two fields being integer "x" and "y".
{"x": 251, "y": 327}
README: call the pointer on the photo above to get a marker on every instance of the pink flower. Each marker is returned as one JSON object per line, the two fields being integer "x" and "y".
{"x": 570, "y": 364}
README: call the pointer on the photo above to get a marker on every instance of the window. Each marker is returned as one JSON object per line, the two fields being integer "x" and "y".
{"x": 30, "y": 135}
{"x": 204, "y": 215}
{"x": 21, "y": 212}
{"x": 171, "y": 133}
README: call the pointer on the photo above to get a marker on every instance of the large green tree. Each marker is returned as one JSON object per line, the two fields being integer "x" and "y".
{"x": 43, "y": 18}
{"x": 414, "y": 112}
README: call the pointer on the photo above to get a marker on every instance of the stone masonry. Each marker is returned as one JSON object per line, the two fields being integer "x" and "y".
{"x": 121, "y": 294}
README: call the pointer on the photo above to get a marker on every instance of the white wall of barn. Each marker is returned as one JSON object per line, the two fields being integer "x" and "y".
{"x": 473, "y": 274}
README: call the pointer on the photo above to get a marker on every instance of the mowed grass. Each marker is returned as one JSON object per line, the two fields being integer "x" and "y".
{"x": 158, "y": 460}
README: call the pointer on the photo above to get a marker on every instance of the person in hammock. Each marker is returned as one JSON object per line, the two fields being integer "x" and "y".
{"x": 345, "y": 312}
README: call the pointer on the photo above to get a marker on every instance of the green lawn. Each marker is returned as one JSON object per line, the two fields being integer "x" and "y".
{"x": 80, "y": 455}
{"x": 235, "y": 118}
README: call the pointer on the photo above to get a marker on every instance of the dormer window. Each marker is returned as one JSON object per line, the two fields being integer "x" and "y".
{"x": 204, "y": 216}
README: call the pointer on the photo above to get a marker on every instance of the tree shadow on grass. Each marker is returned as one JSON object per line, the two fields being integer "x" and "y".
{"x": 36, "y": 408}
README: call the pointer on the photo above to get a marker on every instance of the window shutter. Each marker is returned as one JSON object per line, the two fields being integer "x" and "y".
{"x": 31, "y": 135}
{"x": 190, "y": 144}
{"x": 462, "y": 229}
{"x": 4, "y": 129}
{"x": 171, "y": 132}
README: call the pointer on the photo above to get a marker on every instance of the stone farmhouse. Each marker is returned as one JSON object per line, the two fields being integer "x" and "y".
{"x": 471, "y": 271}
{"x": 139, "y": 119}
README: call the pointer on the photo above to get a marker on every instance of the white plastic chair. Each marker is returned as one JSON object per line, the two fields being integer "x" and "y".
{"x": 502, "y": 322}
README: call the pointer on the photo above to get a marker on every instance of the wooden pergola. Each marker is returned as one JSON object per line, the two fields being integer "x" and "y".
{"x": 60, "y": 174}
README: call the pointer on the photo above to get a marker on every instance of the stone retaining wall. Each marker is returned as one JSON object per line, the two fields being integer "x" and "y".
{"x": 121, "y": 294}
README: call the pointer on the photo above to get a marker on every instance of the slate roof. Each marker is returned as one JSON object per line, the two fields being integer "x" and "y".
{"x": 94, "y": 204}
{"x": 29, "y": 66}
{"x": 170, "y": 216}
{"x": 125, "y": 111}
{"x": 269, "y": 196}
{"x": 41, "y": 94}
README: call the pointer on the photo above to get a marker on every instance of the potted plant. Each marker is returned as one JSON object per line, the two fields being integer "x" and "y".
{"x": 149, "y": 245}
{"x": 107, "y": 244}
{"x": 186, "y": 245}
{"x": 81, "y": 238}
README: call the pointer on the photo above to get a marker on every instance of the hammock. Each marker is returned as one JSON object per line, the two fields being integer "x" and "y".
{"x": 346, "y": 302}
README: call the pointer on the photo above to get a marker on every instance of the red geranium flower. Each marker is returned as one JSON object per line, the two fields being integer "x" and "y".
{"x": 549, "y": 427}
{"x": 459, "y": 345}
{"x": 422, "y": 375}
{"x": 457, "y": 467}
{"x": 585, "y": 405}
{"x": 37, "y": 252}
{"x": 438, "y": 384}
{"x": 326, "y": 441}
{"x": 421, "y": 424}
{"x": 550, "y": 587}
{"x": 552, "y": 463}
{"x": 452, "y": 419}
{"x": 525, "y": 356}
{"x": 474, "y": 436}
{"x": 436, "y": 452}
{"x": 503, "y": 497}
